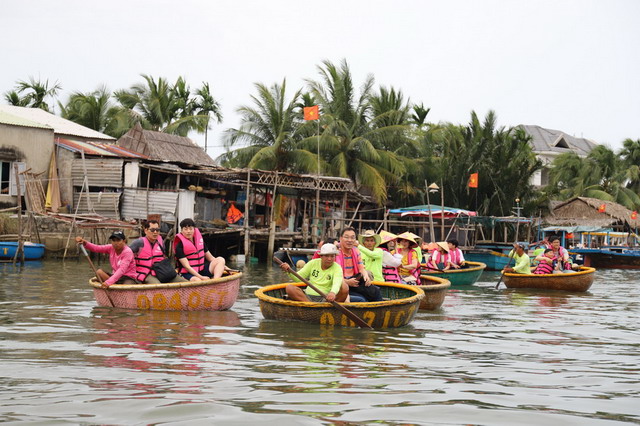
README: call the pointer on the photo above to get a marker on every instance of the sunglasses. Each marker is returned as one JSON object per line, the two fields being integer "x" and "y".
{"x": 154, "y": 230}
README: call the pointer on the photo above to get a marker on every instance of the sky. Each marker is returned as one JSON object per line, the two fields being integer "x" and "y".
{"x": 569, "y": 65}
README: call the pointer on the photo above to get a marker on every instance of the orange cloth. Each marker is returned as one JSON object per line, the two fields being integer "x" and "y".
{"x": 233, "y": 214}
{"x": 473, "y": 180}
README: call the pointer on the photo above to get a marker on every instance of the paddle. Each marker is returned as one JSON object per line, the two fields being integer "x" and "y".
{"x": 359, "y": 322}
{"x": 95, "y": 271}
{"x": 513, "y": 253}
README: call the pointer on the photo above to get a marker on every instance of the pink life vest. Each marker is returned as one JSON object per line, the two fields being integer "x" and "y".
{"x": 545, "y": 268}
{"x": 356, "y": 260}
{"x": 147, "y": 256}
{"x": 409, "y": 256}
{"x": 455, "y": 256}
{"x": 194, "y": 252}
{"x": 390, "y": 273}
{"x": 438, "y": 257}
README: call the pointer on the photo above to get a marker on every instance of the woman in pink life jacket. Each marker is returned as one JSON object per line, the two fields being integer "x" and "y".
{"x": 440, "y": 260}
{"x": 196, "y": 262}
{"x": 409, "y": 270}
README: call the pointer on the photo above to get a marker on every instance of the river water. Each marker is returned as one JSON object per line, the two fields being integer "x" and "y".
{"x": 487, "y": 357}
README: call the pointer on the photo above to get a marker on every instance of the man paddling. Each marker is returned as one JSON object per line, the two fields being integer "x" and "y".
{"x": 523, "y": 262}
{"x": 323, "y": 273}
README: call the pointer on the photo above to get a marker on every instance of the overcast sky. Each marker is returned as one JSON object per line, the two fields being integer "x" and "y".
{"x": 569, "y": 65}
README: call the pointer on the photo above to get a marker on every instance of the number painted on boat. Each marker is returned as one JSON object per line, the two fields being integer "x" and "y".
{"x": 5, "y": 250}
{"x": 193, "y": 301}
{"x": 143, "y": 302}
{"x": 174, "y": 302}
{"x": 159, "y": 302}
{"x": 327, "y": 319}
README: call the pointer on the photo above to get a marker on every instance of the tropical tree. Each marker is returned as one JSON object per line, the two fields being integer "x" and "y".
{"x": 206, "y": 105}
{"x": 269, "y": 129}
{"x": 96, "y": 111}
{"x": 630, "y": 156}
{"x": 159, "y": 105}
{"x": 32, "y": 94}
{"x": 502, "y": 157}
{"x": 352, "y": 137}
{"x": 419, "y": 114}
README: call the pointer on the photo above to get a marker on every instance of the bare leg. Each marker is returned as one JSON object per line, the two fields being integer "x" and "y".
{"x": 343, "y": 293}
{"x": 103, "y": 275}
{"x": 217, "y": 266}
{"x": 296, "y": 293}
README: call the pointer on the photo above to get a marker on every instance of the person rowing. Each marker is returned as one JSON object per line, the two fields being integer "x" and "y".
{"x": 121, "y": 259}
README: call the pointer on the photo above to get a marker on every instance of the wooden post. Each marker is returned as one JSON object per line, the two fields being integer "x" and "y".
{"x": 442, "y": 237}
{"x": 343, "y": 223}
{"x": 20, "y": 248}
{"x": 272, "y": 222}
{"x": 316, "y": 215}
{"x": 247, "y": 236}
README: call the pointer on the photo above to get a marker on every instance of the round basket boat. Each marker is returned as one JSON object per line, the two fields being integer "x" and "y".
{"x": 435, "y": 289}
{"x": 211, "y": 295}
{"x": 398, "y": 309}
{"x": 462, "y": 276}
{"x": 573, "y": 281}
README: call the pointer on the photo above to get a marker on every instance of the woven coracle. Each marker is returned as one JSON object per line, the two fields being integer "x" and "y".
{"x": 398, "y": 309}
{"x": 211, "y": 295}
{"x": 573, "y": 281}
{"x": 435, "y": 289}
{"x": 462, "y": 276}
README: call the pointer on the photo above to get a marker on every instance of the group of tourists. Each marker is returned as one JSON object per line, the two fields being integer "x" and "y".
{"x": 345, "y": 269}
{"x": 145, "y": 260}
{"x": 551, "y": 258}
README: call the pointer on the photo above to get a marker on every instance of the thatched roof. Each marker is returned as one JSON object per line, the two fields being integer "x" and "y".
{"x": 584, "y": 211}
{"x": 164, "y": 147}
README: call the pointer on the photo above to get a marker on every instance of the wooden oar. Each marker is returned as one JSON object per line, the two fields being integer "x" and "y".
{"x": 513, "y": 253}
{"x": 359, "y": 322}
{"x": 95, "y": 271}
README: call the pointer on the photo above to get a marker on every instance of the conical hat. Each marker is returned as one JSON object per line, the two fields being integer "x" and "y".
{"x": 415, "y": 237}
{"x": 443, "y": 245}
{"x": 385, "y": 237}
{"x": 370, "y": 234}
{"x": 409, "y": 237}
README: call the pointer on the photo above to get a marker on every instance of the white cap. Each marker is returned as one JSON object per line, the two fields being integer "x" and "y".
{"x": 328, "y": 249}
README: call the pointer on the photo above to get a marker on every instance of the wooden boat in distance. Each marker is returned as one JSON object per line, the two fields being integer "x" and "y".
{"x": 398, "y": 309}
{"x": 604, "y": 258}
{"x": 211, "y": 295}
{"x": 572, "y": 281}
{"x": 435, "y": 289}
{"x": 462, "y": 276}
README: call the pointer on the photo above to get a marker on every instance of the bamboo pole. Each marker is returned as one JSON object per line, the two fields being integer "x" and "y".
{"x": 272, "y": 222}
{"x": 20, "y": 248}
{"x": 247, "y": 236}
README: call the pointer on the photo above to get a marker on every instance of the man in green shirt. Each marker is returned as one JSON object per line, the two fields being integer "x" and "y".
{"x": 371, "y": 254}
{"x": 323, "y": 273}
{"x": 523, "y": 262}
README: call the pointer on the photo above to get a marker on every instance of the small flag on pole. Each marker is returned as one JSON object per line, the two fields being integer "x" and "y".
{"x": 634, "y": 215}
{"x": 602, "y": 208}
{"x": 311, "y": 113}
{"x": 473, "y": 180}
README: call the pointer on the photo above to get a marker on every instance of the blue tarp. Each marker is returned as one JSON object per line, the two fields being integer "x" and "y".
{"x": 436, "y": 211}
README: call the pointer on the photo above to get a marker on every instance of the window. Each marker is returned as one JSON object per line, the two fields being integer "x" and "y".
{"x": 8, "y": 177}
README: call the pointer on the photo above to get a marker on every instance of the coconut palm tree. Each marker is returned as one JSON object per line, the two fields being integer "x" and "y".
{"x": 630, "y": 156}
{"x": 206, "y": 105}
{"x": 352, "y": 137}
{"x": 33, "y": 94}
{"x": 269, "y": 129}
{"x": 161, "y": 106}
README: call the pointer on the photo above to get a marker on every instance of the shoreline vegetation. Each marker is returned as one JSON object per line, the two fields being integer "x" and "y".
{"x": 374, "y": 135}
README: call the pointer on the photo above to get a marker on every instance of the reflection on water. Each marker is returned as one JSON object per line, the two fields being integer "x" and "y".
{"x": 487, "y": 356}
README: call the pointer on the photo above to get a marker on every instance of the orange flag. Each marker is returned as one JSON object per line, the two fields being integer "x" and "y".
{"x": 311, "y": 113}
{"x": 473, "y": 180}
{"x": 634, "y": 215}
{"x": 602, "y": 208}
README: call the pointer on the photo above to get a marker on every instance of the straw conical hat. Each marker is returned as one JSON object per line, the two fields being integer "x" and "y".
{"x": 370, "y": 234}
{"x": 409, "y": 237}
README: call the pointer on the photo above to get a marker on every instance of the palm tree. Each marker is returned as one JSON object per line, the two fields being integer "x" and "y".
{"x": 207, "y": 106}
{"x": 32, "y": 94}
{"x": 160, "y": 106}
{"x": 630, "y": 156}
{"x": 419, "y": 114}
{"x": 270, "y": 131}
{"x": 350, "y": 142}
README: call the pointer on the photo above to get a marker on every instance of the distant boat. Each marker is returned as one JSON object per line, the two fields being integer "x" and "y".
{"x": 609, "y": 258}
{"x": 462, "y": 276}
{"x": 495, "y": 256}
{"x": 570, "y": 281}
{"x": 32, "y": 251}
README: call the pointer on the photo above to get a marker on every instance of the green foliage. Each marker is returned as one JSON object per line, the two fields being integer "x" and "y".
{"x": 32, "y": 94}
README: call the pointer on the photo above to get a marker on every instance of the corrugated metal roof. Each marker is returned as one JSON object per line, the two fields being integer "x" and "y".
{"x": 60, "y": 125}
{"x": 13, "y": 120}
{"x": 548, "y": 140}
{"x": 101, "y": 172}
{"x": 165, "y": 147}
{"x": 98, "y": 148}
{"x": 106, "y": 204}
